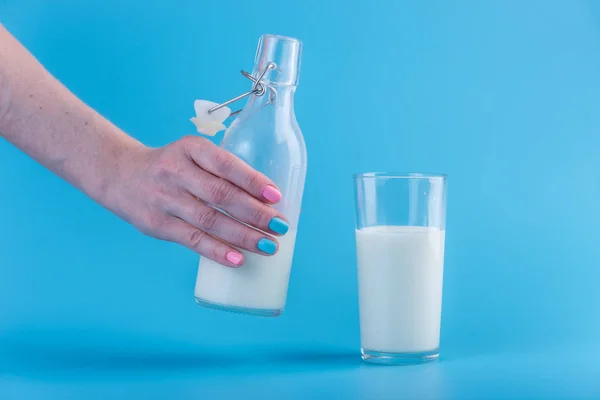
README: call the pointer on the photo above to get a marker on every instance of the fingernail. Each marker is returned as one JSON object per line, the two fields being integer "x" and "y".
{"x": 271, "y": 194}
{"x": 278, "y": 225}
{"x": 234, "y": 258}
{"x": 267, "y": 246}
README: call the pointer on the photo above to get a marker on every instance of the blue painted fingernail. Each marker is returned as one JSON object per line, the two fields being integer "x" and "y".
{"x": 278, "y": 225}
{"x": 267, "y": 246}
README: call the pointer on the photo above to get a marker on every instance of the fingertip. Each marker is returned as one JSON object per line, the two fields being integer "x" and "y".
{"x": 235, "y": 258}
{"x": 279, "y": 225}
{"x": 271, "y": 194}
{"x": 267, "y": 246}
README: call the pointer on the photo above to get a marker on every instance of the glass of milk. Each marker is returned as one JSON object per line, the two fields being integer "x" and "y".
{"x": 400, "y": 232}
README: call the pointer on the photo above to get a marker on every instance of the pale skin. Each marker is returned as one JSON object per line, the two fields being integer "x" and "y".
{"x": 164, "y": 192}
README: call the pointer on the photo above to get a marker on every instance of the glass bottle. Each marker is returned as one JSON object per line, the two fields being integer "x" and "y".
{"x": 265, "y": 135}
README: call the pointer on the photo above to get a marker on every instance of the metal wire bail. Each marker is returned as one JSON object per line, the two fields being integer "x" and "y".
{"x": 258, "y": 89}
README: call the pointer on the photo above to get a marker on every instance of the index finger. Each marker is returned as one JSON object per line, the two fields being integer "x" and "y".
{"x": 224, "y": 164}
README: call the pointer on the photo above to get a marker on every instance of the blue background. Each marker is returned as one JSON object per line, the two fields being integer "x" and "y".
{"x": 502, "y": 96}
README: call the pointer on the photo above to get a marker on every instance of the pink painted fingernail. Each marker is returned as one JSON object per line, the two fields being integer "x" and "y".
{"x": 234, "y": 257}
{"x": 271, "y": 194}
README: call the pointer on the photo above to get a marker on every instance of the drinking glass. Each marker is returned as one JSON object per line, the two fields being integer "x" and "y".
{"x": 400, "y": 235}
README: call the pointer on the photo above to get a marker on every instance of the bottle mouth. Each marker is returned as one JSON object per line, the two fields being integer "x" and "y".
{"x": 285, "y": 53}
{"x": 281, "y": 37}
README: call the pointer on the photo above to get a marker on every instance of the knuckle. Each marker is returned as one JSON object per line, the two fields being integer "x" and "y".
{"x": 158, "y": 198}
{"x": 216, "y": 254}
{"x": 190, "y": 140}
{"x": 192, "y": 144}
{"x": 207, "y": 218}
{"x": 224, "y": 161}
{"x": 156, "y": 222}
{"x": 198, "y": 145}
{"x": 155, "y": 201}
{"x": 246, "y": 238}
{"x": 261, "y": 214}
{"x": 187, "y": 139}
{"x": 194, "y": 238}
{"x": 166, "y": 168}
{"x": 222, "y": 192}
{"x": 253, "y": 180}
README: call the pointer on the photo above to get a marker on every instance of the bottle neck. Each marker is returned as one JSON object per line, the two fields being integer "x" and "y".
{"x": 272, "y": 114}
{"x": 282, "y": 54}
{"x": 273, "y": 111}
{"x": 276, "y": 97}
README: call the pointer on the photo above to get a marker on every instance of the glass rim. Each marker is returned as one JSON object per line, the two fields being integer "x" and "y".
{"x": 399, "y": 175}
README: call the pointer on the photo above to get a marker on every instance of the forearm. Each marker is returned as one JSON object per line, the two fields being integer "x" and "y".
{"x": 45, "y": 120}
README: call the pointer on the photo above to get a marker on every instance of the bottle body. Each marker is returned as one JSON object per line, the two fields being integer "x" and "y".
{"x": 267, "y": 137}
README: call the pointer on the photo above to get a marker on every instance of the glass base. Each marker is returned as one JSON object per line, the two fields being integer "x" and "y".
{"x": 385, "y": 358}
{"x": 259, "y": 312}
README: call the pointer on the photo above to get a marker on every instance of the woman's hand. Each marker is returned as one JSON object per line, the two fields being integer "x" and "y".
{"x": 166, "y": 192}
